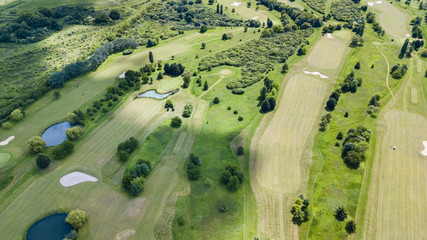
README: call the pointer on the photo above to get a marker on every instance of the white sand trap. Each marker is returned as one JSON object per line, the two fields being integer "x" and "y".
{"x": 316, "y": 74}
{"x": 408, "y": 35}
{"x": 255, "y": 18}
{"x": 424, "y": 152}
{"x": 122, "y": 75}
{"x": 370, "y": 4}
{"x": 328, "y": 35}
{"x": 5, "y": 142}
{"x": 75, "y": 178}
{"x": 379, "y": 2}
{"x": 236, "y": 4}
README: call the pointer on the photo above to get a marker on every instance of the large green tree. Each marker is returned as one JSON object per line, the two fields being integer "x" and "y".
{"x": 36, "y": 144}
{"x": 77, "y": 218}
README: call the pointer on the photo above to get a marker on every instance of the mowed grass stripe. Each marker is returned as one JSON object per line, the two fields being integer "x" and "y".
{"x": 282, "y": 144}
{"x": 394, "y": 21}
{"x": 328, "y": 52}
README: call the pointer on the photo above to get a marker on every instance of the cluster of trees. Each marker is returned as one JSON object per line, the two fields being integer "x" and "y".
{"x": 169, "y": 104}
{"x": 324, "y": 121}
{"x": 232, "y": 177}
{"x": 370, "y": 18}
{"x": 36, "y": 145}
{"x": 182, "y": 13}
{"x": 346, "y": 10}
{"x": 331, "y": 28}
{"x": 351, "y": 83}
{"x": 256, "y": 57}
{"x": 72, "y": 70}
{"x": 63, "y": 150}
{"x": 187, "y": 111}
{"x": 74, "y": 133}
{"x": 220, "y": 9}
{"x": 299, "y": 210}
{"x": 15, "y": 116}
{"x": 176, "y": 122}
{"x": 355, "y": 146}
{"x": 186, "y": 79}
{"x": 124, "y": 149}
{"x": 317, "y": 5}
{"x": 373, "y": 105}
{"x": 356, "y": 41}
{"x": 193, "y": 167}
{"x": 174, "y": 69}
{"x": 133, "y": 180}
{"x": 267, "y": 94}
{"x": 409, "y": 47}
{"x": 301, "y": 18}
{"x": 332, "y": 101}
{"x": 227, "y": 36}
{"x": 416, "y": 27}
{"x": 76, "y": 117}
{"x": 398, "y": 71}
{"x": 76, "y": 218}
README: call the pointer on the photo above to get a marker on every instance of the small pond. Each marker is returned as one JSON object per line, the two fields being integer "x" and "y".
{"x": 52, "y": 227}
{"x": 154, "y": 94}
{"x": 55, "y": 134}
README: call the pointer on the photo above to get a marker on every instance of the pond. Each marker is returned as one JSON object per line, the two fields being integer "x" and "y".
{"x": 55, "y": 134}
{"x": 154, "y": 94}
{"x": 52, "y": 227}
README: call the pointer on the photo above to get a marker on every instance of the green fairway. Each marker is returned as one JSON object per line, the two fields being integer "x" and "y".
{"x": 167, "y": 85}
{"x": 4, "y": 157}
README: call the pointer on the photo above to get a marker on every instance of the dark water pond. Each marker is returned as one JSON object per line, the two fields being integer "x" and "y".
{"x": 55, "y": 134}
{"x": 52, "y": 227}
{"x": 154, "y": 94}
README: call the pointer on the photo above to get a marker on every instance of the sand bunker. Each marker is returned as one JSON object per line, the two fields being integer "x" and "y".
{"x": 328, "y": 35}
{"x": 372, "y": 4}
{"x": 226, "y": 72}
{"x": 255, "y": 18}
{"x": 316, "y": 74}
{"x": 424, "y": 152}
{"x": 408, "y": 35}
{"x": 75, "y": 178}
{"x": 236, "y": 4}
{"x": 122, "y": 75}
{"x": 5, "y": 142}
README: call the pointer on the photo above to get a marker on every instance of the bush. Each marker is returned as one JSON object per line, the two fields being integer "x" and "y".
{"x": 193, "y": 165}
{"x": 350, "y": 227}
{"x": 187, "y": 111}
{"x": 42, "y": 161}
{"x": 181, "y": 221}
{"x": 240, "y": 151}
{"x": 16, "y": 115}
{"x": 216, "y": 100}
{"x": 240, "y": 118}
{"x": 74, "y": 133}
{"x": 77, "y": 218}
{"x": 223, "y": 207}
{"x": 136, "y": 186}
{"x": 36, "y": 144}
{"x": 203, "y": 28}
{"x": 124, "y": 149}
{"x": 340, "y": 214}
{"x": 176, "y": 122}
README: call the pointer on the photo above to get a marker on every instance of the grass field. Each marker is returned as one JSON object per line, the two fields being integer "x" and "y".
{"x": 397, "y": 190}
{"x": 4, "y": 157}
{"x": 280, "y": 150}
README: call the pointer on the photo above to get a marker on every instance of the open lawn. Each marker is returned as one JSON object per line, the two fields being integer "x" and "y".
{"x": 4, "y": 157}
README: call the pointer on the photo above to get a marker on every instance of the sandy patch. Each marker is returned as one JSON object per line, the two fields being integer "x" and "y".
{"x": 328, "y": 35}
{"x": 379, "y": 2}
{"x": 5, "y": 142}
{"x": 424, "y": 152}
{"x": 370, "y": 4}
{"x": 316, "y": 74}
{"x": 75, "y": 178}
{"x": 125, "y": 234}
{"x": 226, "y": 72}
{"x": 122, "y": 75}
{"x": 236, "y": 4}
{"x": 255, "y": 18}
{"x": 408, "y": 35}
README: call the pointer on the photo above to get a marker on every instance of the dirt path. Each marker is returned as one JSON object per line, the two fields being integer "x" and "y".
{"x": 388, "y": 72}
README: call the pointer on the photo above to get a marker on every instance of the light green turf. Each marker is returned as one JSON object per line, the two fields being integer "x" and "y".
{"x": 167, "y": 85}
{"x": 4, "y": 157}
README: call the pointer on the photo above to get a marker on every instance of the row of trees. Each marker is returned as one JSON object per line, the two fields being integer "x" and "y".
{"x": 267, "y": 94}
{"x": 193, "y": 167}
{"x": 373, "y": 105}
{"x": 124, "y": 149}
{"x": 409, "y": 47}
{"x": 341, "y": 215}
{"x": 370, "y": 18}
{"x": 72, "y": 70}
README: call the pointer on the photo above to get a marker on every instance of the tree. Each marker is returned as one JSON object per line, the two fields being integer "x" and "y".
{"x": 42, "y": 161}
{"x": 233, "y": 183}
{"x": 340, "y": 214}
{"x": 150, "y": 56}
{"x": 36, "y": 144}
{"x": 176, "y": 122}
{"x": 211, "y": 2}
{"x": 76, "y": 218}
{"x": 285, "y": 68}
{"x": 114, "y": 14}
{"x": 203, "y": 28}
{"x": 217, "y": 8}
{"x": 17, "y": 115}
{"x": 136, "y": 186}
{"x": 203, "y": 45}
{"x": 240, "y": 151}
{"x": 330, "y": 104}
{"x": 216, "y": 100}
{"x": 205, "y": 86}
{"x": 101, "y": 18}
{"x": 357, "y": 66}
{"x": 269, "y": 23}
{"x": 63, "y": 150}
{"x": 160, "y": 76}
{"x": 340, "y": 136}
{"x": 151, "y": 42}
{"x": 350, "y": 227}
{"x": 302, "y": 50}
{"x": 224, "y": 36}
{"x": 74, "y": 133}
{"x": 221, "y": 10}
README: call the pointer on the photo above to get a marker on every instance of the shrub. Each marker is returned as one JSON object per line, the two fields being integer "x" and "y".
{"x": 136, "y": 186}
{"x": 203, "y": 28}
{"x": 340, "y": 214}
{"x": 187, "y": 111}
{"x": 240, "y": 118}
{"x": 176, "y": 122}
{"x": 231, "y": 177}
{"x": 216, "y": 100}
{"x": 74, "y": 133}
{"x": 63, "y": 150}
{"x": 223, "y": 207}
{"x": 77, "y": 218}
{"x": 42, "y": 161}
{"x": 16, "y": 115}
{"x": 350, "y": 227}
{"x": 124, "y": 149}
{"x": 36, "y": 144}
{"x": 240, "y": 151}
{"x": 181, "y": 221}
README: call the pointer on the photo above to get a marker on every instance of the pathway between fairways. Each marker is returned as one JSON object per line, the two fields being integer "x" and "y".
{"x": 388, "y": 72}
{"x": 219, "y": 80}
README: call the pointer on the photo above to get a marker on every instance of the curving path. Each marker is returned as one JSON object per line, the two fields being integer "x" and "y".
{"x": 388, "y": 72}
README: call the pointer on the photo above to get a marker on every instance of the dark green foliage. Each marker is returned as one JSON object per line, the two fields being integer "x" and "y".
{"x": 232, "y": 177}
{"x": 176, "y": 122}
{"x": 285, "y": 68}
{"x": 152, "y": 42}
{"x": 357, "y": 66}
{"x": 181, "y": 221}
{"x": 114, "y": 14}
{"x": 186, "y": 78}
{"x": 223, "y": 207}
{"x": 240, "y": 151}
{"x": 350, "y": 227}
{"x": 318, "y": 5}
{"x": 151, "y": 57}
{"x": 124, "y": 149}
{"x": 136, "y": 186}
{"x": 417, "y": 32}
{"x": 205, "y": 86}
{"x": 63, "y": 150}
{"x": 266, "y": 97}
{"x": 356, "y": 41}
{"x": 42, "y": 161}
{"x": 216, "y": 100}
{"x": 404, "y": 48}
{"x": 187, "y": 111}
{"x": 346, "y": 115}
{"x": 340, "y": 136}
{"x": 240, "y": 118}
{"x": 227, "y": 36}
{"x": 174, "y": 69}
{"x": 133, "y": 179}
{"x": 340, "y": 214}
{"x": 346, "y": 10}
{"x": 160, "y": 76}
{"x": 193, "y": 167}
{"x": 257, "y": 56}
{"x": 72, "y": 235}
{"x": 324, "y": 121}
{"x": 350, "y": 83}
{"x": 398, "y": 71}
{"x": 302, "y": 50}
{"x": 355, "y": 146}
{"x": 102, "y": 18}
{"x": 330, "y": 104}
{"x": 299, "y": 210}
{"x": 203, "y": 28}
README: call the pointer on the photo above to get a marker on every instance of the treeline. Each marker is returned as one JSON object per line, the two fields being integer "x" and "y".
{"x": 370, "y": 18}
{"x": 318, "y": 5}
{"x": 299, "y": 16}
{"x": 267, "y": 94}
{"x": 417, "y": 31}
{"x": 409, "y": 47}
{"x": 346, "y": 10}
{"x": 72, "y": 70}
{"x": 182, "y": 13}
{"x": 256, "y": 57}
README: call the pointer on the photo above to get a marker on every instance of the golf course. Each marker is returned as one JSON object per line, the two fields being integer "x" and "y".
{"x": 213, "y": 119}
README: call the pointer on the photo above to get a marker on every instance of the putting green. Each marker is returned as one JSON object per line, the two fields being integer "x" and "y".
{"x": 168, "y": 85}
{"x": 4, "y": 157}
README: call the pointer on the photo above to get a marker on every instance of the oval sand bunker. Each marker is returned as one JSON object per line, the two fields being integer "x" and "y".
{"x": 5, "y": 142}
{"x": 424, "y": 152}
{"x": 75, "y": 178}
